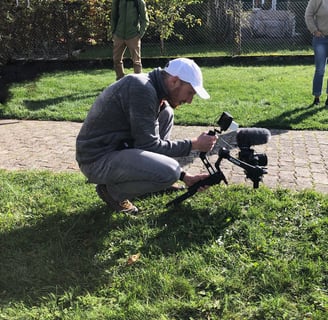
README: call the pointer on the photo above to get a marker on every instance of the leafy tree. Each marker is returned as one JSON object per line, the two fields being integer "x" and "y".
{"x": 165, "y": 14}
{"x": 46, "y": 28}
{"x": 96, "y": 18}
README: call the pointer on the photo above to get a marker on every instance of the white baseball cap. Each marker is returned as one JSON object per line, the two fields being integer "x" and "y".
{"x": 188, "y": 71}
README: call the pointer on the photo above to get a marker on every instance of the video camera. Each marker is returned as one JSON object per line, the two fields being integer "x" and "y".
{"x": 253, "y": 163}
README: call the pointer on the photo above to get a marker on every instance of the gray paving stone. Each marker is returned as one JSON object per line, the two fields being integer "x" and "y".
{"x": 296, "y": 159}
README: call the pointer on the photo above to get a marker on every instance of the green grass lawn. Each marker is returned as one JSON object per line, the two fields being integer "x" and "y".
{"x": 231, "y": 252}
{"x": 266, "y": 96}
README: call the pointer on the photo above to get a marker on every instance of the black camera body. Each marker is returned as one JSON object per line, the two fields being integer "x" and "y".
{"x": 249, "y": 155}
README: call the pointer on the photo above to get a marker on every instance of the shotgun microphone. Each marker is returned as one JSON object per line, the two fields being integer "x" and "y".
{"x": 252, "y": 136}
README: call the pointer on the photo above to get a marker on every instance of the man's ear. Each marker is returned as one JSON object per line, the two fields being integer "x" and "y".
{"x": 174, "y": 82}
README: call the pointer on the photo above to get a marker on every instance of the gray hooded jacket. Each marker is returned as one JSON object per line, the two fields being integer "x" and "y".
{"x": 127, "y": 110}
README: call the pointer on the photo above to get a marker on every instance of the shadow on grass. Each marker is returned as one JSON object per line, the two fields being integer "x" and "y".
{"x": 287, "y": 119}
{"x": 58, "y": 254}
{"x": 42, "y": 104}
{"x": 4, "y": 92}
{"x": 51, "y": 256}
{"x": 184, "y": 227}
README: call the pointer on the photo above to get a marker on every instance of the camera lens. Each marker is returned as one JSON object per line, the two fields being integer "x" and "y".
{"x": 255, "y": 159}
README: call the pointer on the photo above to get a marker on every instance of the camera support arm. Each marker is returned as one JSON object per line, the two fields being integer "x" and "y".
{"x": 254, "y": 173}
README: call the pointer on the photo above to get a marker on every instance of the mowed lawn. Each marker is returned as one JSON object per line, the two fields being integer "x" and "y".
{"x": 231, "y": 252}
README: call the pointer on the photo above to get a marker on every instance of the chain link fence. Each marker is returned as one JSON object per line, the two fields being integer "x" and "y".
{"x": 46, "y": 29}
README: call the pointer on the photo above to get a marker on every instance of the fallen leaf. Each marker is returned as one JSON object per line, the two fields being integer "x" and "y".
{"x": 132, "y": 259}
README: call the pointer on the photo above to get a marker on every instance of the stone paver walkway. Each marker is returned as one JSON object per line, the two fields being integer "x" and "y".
{"x": 296, "y": 159}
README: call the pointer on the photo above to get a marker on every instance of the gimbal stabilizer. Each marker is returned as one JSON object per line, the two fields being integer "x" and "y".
{"x": 253, "y": 164}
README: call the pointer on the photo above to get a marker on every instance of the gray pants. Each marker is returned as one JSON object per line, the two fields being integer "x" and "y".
{"x": 130, "y": 173}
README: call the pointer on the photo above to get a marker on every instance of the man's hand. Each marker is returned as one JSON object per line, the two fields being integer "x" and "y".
{"x": 204, "y": 142}
{"x": 190, "y": 180}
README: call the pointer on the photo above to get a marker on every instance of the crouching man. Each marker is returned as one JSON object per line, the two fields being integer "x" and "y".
{"x": 124, "y": 144}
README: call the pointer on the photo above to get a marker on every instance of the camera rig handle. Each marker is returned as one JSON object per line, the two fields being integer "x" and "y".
{"x": 214, "y": 178}
{"x": 210, "y": 133}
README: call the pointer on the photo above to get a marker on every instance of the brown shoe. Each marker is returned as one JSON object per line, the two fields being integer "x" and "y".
{"x": 123, "y": 206}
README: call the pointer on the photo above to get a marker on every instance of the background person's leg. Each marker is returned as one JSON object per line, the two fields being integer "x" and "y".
{"x": 320, "y": 59}
{"x": 134, "y": 46}
{"x": 119, "y": 48}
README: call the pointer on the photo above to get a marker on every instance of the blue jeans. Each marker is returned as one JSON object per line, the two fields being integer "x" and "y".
{"x": 129, "y": 173}
{"x": 320, "y": 47}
